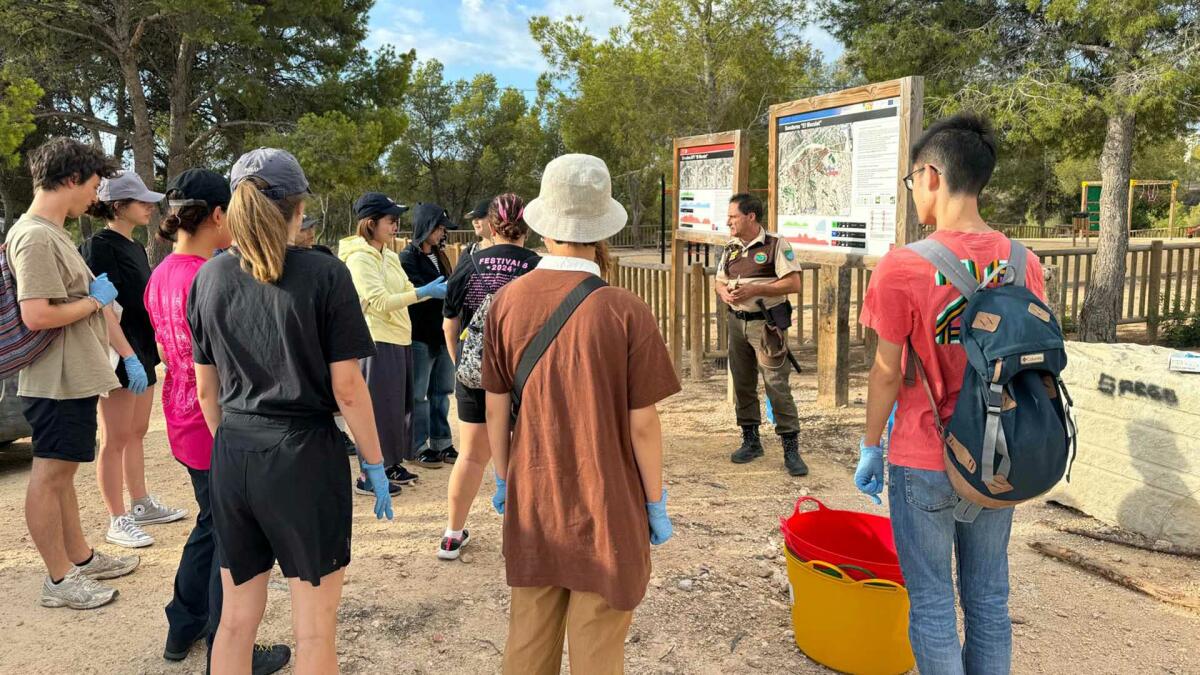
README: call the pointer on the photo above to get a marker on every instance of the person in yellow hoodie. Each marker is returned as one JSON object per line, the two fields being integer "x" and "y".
{"x": 385, "y": 293}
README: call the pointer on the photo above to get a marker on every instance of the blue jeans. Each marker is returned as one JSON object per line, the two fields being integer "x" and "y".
{"x": 922, "y": 509}
{"x": 433, "y": 383}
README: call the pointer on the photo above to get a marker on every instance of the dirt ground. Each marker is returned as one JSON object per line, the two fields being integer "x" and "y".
{"x": 718, "y": 596}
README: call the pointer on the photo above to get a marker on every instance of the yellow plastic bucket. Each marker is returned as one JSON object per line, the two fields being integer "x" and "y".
{"x": 853, "y": 626}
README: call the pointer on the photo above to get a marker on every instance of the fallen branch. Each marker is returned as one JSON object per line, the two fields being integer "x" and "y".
{"x": 490, "y": 644}
{"x": 1131, "y": 540}
{"x": 1112, "y": 574}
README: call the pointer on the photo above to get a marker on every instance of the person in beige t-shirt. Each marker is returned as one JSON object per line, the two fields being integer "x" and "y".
{"x": 59, "y": 390}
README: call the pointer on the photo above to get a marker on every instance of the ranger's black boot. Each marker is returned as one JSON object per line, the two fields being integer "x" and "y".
{"x": 751, "y": 448}
{"x": 791, "y": 455}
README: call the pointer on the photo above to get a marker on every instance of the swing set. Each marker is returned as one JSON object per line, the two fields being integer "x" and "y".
{"x": 1149, "y": 190}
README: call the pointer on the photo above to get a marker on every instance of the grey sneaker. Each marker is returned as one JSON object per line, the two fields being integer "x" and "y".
{"x": 76, "y": 591}
{"x": 104, "y": 566}
{"x": 149, "y": 511}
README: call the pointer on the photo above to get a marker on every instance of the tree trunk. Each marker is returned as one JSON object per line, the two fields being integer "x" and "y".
{"x": 6, "y": 201}
{"x": 1102, "y": 303}
{"x": 158, "y": 248}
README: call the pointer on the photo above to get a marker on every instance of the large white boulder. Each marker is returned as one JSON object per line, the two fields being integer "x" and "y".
{"x": 1139, "y": 441}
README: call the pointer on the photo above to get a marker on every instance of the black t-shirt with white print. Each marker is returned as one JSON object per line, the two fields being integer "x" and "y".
{"x": 493, "y": 267}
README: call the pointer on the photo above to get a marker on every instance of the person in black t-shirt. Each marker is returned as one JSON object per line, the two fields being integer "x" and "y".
{"x": 477, "y": 276}
{"x": 125, "y": 204}
{"x": 277, "y": 333}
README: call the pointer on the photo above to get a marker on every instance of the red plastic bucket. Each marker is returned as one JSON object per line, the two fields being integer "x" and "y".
{"x": 844, "y": 538}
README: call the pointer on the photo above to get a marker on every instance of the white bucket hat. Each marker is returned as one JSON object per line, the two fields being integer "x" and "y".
{"x": 575, "y": 204}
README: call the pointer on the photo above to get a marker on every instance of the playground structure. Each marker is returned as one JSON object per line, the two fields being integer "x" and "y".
{"x": 1089, "y": 203}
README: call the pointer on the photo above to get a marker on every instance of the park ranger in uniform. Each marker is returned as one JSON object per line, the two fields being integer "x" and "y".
{"x": 759, "y": 266}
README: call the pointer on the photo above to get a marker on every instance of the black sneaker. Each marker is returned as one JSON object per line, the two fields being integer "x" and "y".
{"x": 451, "y": 547}
{"x": 400, "y": 475}
{"x": 269, "y": 659}
{"x": 362, "y": 487}
{"x": 178, "y": 647}
{"x": 430, "y": 459}
{"x": 265, "y": 660}
{"x": 449, "y": 455}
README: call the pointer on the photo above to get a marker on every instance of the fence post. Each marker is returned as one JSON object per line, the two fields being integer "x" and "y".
{"x": 1050, "y": 273}
{"x": 696, "y": 321}
{"x": 614, "y": 271}
{"x": 833, "y": 337}
{"x": 1152, "y": 302}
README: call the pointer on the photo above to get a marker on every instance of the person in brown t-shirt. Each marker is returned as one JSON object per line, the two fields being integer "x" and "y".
{"x": 580, "y": 480}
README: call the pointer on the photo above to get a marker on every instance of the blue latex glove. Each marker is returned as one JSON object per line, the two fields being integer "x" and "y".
{"x": 102, "y": 290}
{"x": 868, "y": 477}
{"x": 137, "y": 374}
{"x": 770, "y": 412}
{"x": 501, "y": 495}
{"x": 660, "y": 524}
{"x": 381, "y": 487}
{"x": 434, "y": 289}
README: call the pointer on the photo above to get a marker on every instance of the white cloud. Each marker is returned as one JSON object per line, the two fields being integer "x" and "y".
{"x": 490, "y": 33}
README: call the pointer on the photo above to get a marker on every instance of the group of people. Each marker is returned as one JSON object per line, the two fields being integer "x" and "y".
{"x": 270, "y": 341}
{"x": 274, "y": 346}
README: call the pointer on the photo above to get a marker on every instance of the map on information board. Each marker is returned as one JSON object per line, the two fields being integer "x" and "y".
{"x": 836, "y": 177}
{"x": 705, "y": 186}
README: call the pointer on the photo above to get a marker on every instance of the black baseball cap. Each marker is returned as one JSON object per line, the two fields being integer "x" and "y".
{"x": 374, "y": 204}
{"x": 198, "y": 187}
{"x": 480, "y": 210}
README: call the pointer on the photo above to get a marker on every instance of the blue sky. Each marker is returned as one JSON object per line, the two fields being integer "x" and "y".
{"x": 474, "y": 36}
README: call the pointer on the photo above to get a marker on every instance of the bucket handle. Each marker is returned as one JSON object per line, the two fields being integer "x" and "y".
{"x": 803, "y": 500}
{"x": 836, "y": 571}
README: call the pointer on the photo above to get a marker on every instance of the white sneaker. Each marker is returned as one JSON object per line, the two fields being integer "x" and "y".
{"x": 124, "y": 532}
{"x": 76, "y": 591}
{"x": 150, "y": 511}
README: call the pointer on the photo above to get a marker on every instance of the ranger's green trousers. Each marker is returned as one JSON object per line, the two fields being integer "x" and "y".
{"x": 745, "y": 339}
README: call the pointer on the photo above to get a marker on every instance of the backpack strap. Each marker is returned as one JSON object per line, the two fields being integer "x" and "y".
{"x": 1017, "y": 259}
{"x": 943, "y": 259}
{"x": 541, "y": 342}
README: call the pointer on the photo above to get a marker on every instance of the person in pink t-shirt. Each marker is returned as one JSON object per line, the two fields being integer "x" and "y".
{"x": 908, "y": 301}
{"x": 196, "y": 223}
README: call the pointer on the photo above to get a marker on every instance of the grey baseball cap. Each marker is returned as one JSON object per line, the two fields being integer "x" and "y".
{"x": 126, "y": 185}
{"x": 277, "y": 168}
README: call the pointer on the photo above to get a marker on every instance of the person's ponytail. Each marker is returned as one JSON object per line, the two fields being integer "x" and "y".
{"x": 259, "y": 227}
{"x": 188, "y": 218}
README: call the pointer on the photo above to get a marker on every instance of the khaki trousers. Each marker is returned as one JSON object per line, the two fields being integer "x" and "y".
{"x": 745, "y": 338}
{"x": 541, "y": 616}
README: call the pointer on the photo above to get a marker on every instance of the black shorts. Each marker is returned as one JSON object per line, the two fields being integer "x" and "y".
{"x": 63, "y": 429}
{"x": 471, "y": 404}
{"x": 281, "y": 491}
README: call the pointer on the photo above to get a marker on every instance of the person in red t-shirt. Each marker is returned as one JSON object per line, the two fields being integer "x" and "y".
{"x": 908, "y": 302}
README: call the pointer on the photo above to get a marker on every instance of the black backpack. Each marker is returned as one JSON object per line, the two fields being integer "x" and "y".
{"x": 1011, "y": 436}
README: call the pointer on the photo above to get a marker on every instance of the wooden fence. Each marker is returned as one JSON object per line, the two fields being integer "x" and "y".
{"x": 1158, "y": 276}
{"x": 705, "y": 315}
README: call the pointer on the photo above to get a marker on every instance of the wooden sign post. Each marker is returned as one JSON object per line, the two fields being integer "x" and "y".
{"x": 836, "y": 191}
{"x": 708, "y": 170}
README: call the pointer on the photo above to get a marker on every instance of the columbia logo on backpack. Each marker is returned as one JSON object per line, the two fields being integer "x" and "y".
{"x": 1011, "y": 436}
{"x": 19, "y": 346}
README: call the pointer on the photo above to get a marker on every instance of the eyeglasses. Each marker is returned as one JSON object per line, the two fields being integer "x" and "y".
{"x": 908, "y": 180}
